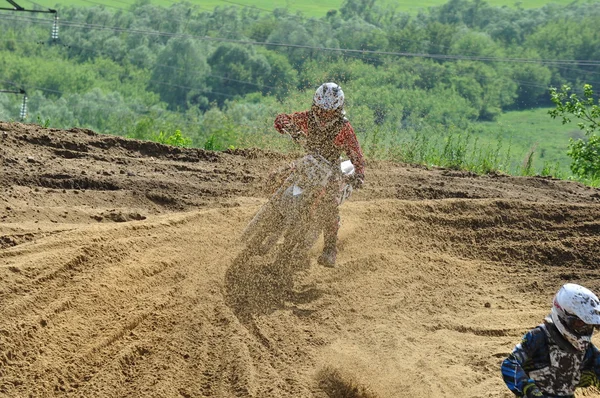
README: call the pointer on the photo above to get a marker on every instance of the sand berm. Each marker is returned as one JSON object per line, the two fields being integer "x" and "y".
{"x": 114, "y": 252}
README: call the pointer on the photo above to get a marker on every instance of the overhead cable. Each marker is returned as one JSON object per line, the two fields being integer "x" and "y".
{"x": 326, "y": 49}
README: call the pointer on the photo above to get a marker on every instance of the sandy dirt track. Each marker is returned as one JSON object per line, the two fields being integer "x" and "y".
{"x": 114, "y": 252}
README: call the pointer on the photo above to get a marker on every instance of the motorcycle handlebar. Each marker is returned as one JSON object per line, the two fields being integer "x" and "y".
{"x": 349, "y": 176}
{"x": 296, "y": 135}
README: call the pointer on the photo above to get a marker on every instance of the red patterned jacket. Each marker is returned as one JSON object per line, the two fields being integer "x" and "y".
{"x": 343, "y": 137}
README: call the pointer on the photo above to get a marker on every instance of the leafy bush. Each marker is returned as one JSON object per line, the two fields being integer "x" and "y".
{"x": 174, "y": 139}
{"x": 585, "y": 153}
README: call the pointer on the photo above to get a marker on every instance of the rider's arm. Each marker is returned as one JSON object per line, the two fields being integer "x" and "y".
{"x": 348, "y": 141}
{"x": 524, "y": 354}
{"x": 296, "y": 121}
{"x": 590, "y": 372}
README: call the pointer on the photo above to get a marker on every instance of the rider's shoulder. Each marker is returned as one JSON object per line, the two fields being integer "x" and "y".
{"x": 345, "y": 123}
{"x": 302, "y": 114}
{"x": 346, "y": 126}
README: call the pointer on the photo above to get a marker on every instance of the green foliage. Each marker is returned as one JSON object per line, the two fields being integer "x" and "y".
{"x": 291, "y": 32}
{"x": 261, "y": 30}
{"x": 568, "y": 38}
{"x": 585, "y": 154}
{"x": 529, "y": 129}
{"x": 43, "y": 123}
{"x": 484, "y": 87}
{"x": 586, "y": 157}
{"x": 361, "y": 35}
{"x": 532, "y": 80}
{"x": 582, "y": 108}
{"x": 187, "y": 68}
{"x": 310, "y": 8}
{"x": 174, "y": 139}
{"x": 452, "y": 148}
{"x": 238, "y": 71}
{"x": 180, "y": 74}
{"x": 219, "y": 131}
{"x": 9, "y": 107}
{"x": 282, "y": 77}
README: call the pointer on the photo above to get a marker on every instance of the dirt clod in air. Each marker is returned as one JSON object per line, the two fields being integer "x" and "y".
{"x": 120, "y": 275}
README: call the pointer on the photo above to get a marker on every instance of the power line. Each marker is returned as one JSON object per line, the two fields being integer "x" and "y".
{"x": 97, "y": 51}
{"x": 131, "y": 5}
{"x": 296, "y": 17}
{"x": 523, "y": 83}
{"x": 312, "y": 19}
{"x": 21, "y": 91}
{"x": 349, "y": 52}
{"x": 327, "y": 49}
{"x": 35, "y": 4}
{"x": 107, "y": 101}
{"x": 356, "y": 56}
{"x": 556, "y": 63}
{"x": 17, "y": 7}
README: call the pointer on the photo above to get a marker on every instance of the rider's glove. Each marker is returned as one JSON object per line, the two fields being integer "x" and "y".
{"x": 282, "y": 122}
{"x": 532, "y": 391}
{"x": 357, "y": 181}
{"x": 285, "y": 125}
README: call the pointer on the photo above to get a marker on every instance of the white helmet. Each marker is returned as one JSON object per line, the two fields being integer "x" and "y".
{"x": 329, "y": 96}
{"x": 575, "y": 312}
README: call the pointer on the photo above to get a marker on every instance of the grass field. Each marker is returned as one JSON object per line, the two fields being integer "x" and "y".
{"x": 534, "y": 130}
{"x": 307, "y": 7}
{"x": 519, "y": 143}
{"x": 524, "y": 131}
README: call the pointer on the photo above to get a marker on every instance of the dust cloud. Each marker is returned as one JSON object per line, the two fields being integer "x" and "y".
{"x": 118, "y": 275}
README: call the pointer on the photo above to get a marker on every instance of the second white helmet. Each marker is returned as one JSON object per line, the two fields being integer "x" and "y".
{"x": 329, "y": 96}
{"x": 575, "y": 312}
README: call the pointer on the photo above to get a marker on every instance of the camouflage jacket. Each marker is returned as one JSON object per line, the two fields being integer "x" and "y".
{"x": 546, "y": 360}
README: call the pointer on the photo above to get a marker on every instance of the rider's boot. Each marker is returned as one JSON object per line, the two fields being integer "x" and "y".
{"x": 330, "y": 233}
{"x": 328, "y": 257}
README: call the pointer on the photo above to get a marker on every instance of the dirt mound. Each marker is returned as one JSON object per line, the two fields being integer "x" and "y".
{"x": 116, "y": 275}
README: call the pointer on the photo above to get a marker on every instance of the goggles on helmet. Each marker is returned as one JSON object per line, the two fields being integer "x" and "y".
{"x": 578, "y": 326}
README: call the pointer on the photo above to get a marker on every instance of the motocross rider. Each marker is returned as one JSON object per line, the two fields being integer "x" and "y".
{"x": 327, "y": 133}
{"x": 557, "y": 356}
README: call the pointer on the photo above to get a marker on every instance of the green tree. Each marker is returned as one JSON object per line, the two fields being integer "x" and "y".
{"x": 410, "y": 38}
{"x": 439, "y": 37}
{"x": 585, "y": 153}
{"x": 261, "y": 30}
{"x": 353, "y": 8}
{"x": 282, "y": 77}
{"x": 180, "y": 74}
{"x": 238, "y": 71}
{"x": 533, "y": 80}
{"x": 358, "y": 34}
{"x": 475, "y": 43}
{"x": 576, "y": 38}
{"x": 368, "y": 10}
{"x": 485, "y": 87}
{"x": 290, "y": 31}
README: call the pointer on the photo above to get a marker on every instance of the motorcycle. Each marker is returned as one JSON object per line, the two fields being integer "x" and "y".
{"x": 277, "y": 241}
{"x": 292, "y": 214}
